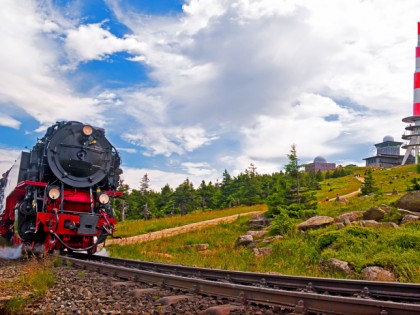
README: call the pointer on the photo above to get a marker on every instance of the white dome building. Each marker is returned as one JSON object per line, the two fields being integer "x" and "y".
{"x": 319, "y": 164}
{"x": 388, "y": 154}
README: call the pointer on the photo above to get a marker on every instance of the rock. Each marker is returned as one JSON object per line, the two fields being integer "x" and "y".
{"x": 409, "y": 218}
{"x": 259, "y": 222}
{"x": 340, "y": 226}
{"x": 367, "y": 223}
{"x": 315, "y": 222}
{"x": 245, "y": 241}
{"x": 335, "y": 264}
{"x": 387, "y": 209}
{"x": 272, "y": 239}
{"x": 375, "y": 273}
{"x": 351, "y": 216}
{"x": 263, "y": 251}
{"x": 410, "y": 201}
{"x": 374, "y": 214}
{"x": 256, "y": 233}
{"x": 403, "y": 211}
{"x": 390, "y": 225}
{"x": 198, "y": 247}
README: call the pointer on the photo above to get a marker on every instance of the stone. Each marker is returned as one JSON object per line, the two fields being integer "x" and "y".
{"x": 368, "y": 223}
{"x": 272, "y": 239}
{"x": 256, "y": 233}
{"x": 263, "y": 251}
{"x": 374, "y": 214}
{"x": 409, "y": 218}
{"x": 351, "y": 216}
{"x": 410, "y": 201}
{"x": 198, "y": 247}
{"x": 375, "y": 273}
{"x": 259, "y": 222}
{"x": 315, "y": 222}
{"x": 387, "y": 209}
{"x": 404, "y": 211}
{"x": 336, "y": 264}
{"x": 245, "y": 241}
{"x": 390, "y": 225}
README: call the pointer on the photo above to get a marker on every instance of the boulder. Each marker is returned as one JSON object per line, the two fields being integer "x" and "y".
{"x": 256, "y": 233}
{"x": 336, "y": 265}
{"x": 258, "y": 222}
{"x": 374, "y": 214}
{"x": 403, "y": 211}
{"x": 245, "y": 241}
{"x": 409, "y": 218}
{"x": 263, "y": 251}
{"x": 387, "y": 209}
{"x": 375, "y": 273}
{"x": 351, "y": 216}
{"x": 272, "y": 239}
{"x": 410, "y": 201}
{"x": 390, "y": 225}
{"x": 369, "y": 223}
{"x": 315, "y": 222}
{"x": 198, "y": 247}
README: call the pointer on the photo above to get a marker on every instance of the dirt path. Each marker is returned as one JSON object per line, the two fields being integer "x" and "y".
{"x": 178, "y": 230}
{"x": 352, "y": 194}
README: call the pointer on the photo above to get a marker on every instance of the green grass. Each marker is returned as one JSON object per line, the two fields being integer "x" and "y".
{"x": 298, "y": 253}
{"x": 135, "y": 227}
{"x": 36, "y": 278}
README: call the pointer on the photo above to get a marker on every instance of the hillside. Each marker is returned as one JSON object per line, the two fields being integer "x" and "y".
{"x": 305, "y": 253}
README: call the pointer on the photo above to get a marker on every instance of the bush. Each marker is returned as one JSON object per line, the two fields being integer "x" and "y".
{"x": 327, "y": 239}
{"x": 282, "y": 224}
{"x": 406, "y": 241}
{"x": 360, "y": 232}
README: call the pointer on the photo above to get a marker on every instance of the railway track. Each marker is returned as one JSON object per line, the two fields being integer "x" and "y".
{"x": 296, "y": 295}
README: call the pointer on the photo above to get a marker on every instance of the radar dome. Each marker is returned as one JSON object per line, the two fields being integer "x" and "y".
{"x": 388, "y": 138}
{"x": 320, "y": 159}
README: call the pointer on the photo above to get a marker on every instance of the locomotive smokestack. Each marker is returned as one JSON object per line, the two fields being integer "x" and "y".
{"x": 416, "y": 105}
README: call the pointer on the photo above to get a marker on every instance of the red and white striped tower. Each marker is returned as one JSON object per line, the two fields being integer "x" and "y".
{"x": 412, "y": 133}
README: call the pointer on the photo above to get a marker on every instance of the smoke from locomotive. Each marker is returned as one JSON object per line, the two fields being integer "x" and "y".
{"x": 59, "y": 194}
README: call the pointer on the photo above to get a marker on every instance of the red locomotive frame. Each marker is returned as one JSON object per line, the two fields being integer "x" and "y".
{"x": 62, "y": 219}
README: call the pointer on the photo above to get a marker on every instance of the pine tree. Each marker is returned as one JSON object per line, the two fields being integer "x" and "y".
{"x": 368, "y": 185}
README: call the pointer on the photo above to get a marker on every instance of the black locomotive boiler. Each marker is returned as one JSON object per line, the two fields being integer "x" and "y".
{"x": 59, "y": 194}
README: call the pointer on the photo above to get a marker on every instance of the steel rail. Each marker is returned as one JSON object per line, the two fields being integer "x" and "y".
{"x": 408, "y": 292}
{"x": 302, "y": 301}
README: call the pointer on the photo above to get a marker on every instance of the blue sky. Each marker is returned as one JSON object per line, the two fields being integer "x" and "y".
{"x": 190, "y": 88}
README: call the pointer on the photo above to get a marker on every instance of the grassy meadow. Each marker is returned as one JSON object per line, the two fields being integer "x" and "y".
{"x": 135, "y": 227}
{"x": 300, "y": 253}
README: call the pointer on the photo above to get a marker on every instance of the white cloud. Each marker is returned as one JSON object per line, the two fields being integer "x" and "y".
{"x": 158, "y": 178}
{"x": 29, "y": 60}
{"x": 168, "y": 140}
{"x": 258, "y": 75}
{"x": 91, "y": 41}
{"x": 8, "y": 156}
{"x": 128, "y": 150}
{"x": 8, "y": 121}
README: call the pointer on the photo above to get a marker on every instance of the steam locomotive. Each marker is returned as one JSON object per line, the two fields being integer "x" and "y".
{"x": 59, "y": 195}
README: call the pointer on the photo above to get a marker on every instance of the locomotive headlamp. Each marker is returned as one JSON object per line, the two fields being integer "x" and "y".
{"x": 54, "y": 192}
{"x": 87, "y": 130}
{"x": 103, "y": 198}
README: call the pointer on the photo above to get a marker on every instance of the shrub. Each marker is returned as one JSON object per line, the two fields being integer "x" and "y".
{"x": 406, "y": 241}
{"x": 282, "y": 224}
{"x": 327, "y": 239}
{"x": 360, "y": 232}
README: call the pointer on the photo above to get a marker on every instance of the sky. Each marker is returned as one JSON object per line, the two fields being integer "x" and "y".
{"x": 189, "y": 88}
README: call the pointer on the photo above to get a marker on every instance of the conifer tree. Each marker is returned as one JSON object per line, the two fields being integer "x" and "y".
{"x": 368, "y": 185}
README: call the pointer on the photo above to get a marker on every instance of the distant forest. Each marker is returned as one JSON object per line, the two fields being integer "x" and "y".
{"x": 291, "y": 191}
